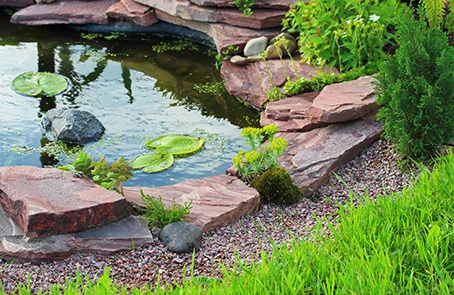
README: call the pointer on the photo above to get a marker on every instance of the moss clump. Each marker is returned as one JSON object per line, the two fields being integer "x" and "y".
{"x": 276, "y": 186}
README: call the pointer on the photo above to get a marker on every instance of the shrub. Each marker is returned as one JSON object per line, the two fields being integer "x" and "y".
{"x": 275, "y": 186}
{"x": 342, "y": 33}
{"x": 416, "y": 90}
{"x": 155, "y": 214}
{"x": 261, "y": 157}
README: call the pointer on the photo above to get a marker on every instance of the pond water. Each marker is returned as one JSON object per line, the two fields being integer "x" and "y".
{"x": 136, "y": 92}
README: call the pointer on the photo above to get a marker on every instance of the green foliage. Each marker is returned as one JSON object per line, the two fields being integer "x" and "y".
{"x": 92, "y": 36}
{"x": 41, "y": 83}
{"x": 435, "y": 11}
{"x": 416, "y": 90}
{"x": 245, "y": 6}
{"x": 175, "y": 144}
{"x": 261, "y": 157}
{"x": 274, "y": 94}
{"x": 342, "y": 33}
{"x": 226, "y": 55}
{"x": 275, "y": 186}
{"x": 178, "y": 45}
{"x": 155, "y": 213}
{"x": 152, "y": 163}
{"x": 110, "y": 176}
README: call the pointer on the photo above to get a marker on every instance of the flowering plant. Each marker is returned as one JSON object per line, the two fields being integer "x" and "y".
{"x": 261, "y": 157}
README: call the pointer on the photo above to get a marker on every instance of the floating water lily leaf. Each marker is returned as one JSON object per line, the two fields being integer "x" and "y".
{"x": 166, "y": 140}
{"x": 152, "y": 163}
{"x": 35, "y": 84}
{"x": 182, "y": 147}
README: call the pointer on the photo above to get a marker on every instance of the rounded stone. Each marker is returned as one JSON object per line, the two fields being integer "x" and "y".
{"x": 239, "y": 60}
{"x": 255, "y": 46}
{"x": 273, "y": 52}
{"x": 286, "y": 42}
{"x": 181, "y": 237}
{"x": 254, "y": 58}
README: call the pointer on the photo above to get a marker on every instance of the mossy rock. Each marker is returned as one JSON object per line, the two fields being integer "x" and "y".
{"x": 275, "y": 186}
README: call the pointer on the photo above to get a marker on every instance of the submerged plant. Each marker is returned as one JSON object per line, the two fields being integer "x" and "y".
{"x": 261, "y": 157}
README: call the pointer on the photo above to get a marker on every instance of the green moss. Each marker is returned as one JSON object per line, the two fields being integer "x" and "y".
{"x": 275, "y": 186}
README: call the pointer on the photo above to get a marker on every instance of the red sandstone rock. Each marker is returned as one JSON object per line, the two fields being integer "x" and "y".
{"x": 290, "y": 113}
{"x": 261, "y": 19}
{"x": 273, "y": 4}
{"x": 223, "y": 35}
{"x": 343, "y": 102}
{"x": 50, "y": 201}
{"x": 216, "y": 201}
{"x": 251, "y": 82}
{"x": 64, "y": 12}
{"x": 122, "y": 235}
{"x": 132, "y": 11}
{"x": 312, "y": 156}
{"x": 16, "y": 3}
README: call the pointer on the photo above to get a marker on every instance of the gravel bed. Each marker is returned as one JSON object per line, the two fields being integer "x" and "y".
{"x": 375, "y": 169}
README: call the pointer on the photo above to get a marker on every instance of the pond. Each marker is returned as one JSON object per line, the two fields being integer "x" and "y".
{"x": 135, "y": 85}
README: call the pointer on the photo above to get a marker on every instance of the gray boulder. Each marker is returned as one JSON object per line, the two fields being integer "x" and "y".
{"x": 255, "y": 46}
{"x": 181, "y": 237}
{"x": 72, "y": 126}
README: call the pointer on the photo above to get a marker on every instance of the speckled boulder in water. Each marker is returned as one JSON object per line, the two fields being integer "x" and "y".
{"x": 72, "y": 126}
{"x": 181, "y": 237}
{"x": 255, "y": 46}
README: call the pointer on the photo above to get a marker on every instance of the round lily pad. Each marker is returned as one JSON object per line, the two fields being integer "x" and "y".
{"x": 176, "y": 144}
{"x": 152, "y": 163}
{"x": 36, "y": 84}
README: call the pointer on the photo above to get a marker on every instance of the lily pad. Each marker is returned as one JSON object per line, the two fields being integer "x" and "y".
{"x": 152, "y": 163}
{"x": 36, "y": 84}
{"x": 175, "y": 144}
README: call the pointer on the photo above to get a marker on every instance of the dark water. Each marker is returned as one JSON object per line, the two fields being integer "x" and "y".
{"x": 137, "y": 93}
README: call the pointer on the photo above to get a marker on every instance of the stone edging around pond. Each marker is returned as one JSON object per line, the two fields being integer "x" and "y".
{"x": 346, "y": 109}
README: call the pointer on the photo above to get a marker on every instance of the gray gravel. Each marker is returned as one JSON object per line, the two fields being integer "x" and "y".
{"x": 375, "y": 169}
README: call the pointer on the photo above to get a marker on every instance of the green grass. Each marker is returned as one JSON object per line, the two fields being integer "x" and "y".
{"x": 401, "y": 244}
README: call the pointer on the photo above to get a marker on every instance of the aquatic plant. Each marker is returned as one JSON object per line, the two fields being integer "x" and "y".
{"x": 40, "y": 83}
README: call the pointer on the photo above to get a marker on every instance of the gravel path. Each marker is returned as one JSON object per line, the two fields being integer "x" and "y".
{"x": 374, "y": 169}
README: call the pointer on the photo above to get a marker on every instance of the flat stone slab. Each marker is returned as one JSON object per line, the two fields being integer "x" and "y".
{"x": 216, "y": 201}
{"x": 223, "y": 35}
{"x": 272, "y": 4}
{"x": 312, "y": 156}
{"x": 261, "y": 18}
{"x": 64, "y": 12}
{"x": 125, "y": 234}
{"x": 16, "y": 3}
{"x": 132, "y": 11}
{"x": 339, "y": 102}
{"x": 50, "y": 201}
{"x": 251, "y": 82}
{"x": 345, "y": 101}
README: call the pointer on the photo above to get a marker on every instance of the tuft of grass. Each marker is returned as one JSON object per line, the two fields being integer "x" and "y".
{"x": 401, "y": 244}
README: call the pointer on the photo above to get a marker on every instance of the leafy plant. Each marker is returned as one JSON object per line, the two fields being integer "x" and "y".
{"x": 261, "y": 157}
{"x": 110, "y": 176}
{"x": 245, "y": 6}
{"x": 226, "y": 55}
{"x": 40, "y": 83}
{"x": 342, "y": 33}
{"x": 276, "y": 186}
{"x": 274, "y": 94}
{"x": 155, "y": 213}
{"x": 435, "y": 11}
{"x": 217, "y": 88}
{"x": 416, "y": 89}
{"x": 178, "y": 45}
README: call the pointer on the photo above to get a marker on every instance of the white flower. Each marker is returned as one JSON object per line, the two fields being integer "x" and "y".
{"x": 348, "y": 21}
{"x": 374, "y": 17}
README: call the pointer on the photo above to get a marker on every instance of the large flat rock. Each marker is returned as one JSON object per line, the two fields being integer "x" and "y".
{"x": 345, "y": 101}
{"x": 251, "y": 82}
{"x": 64, "y": 12}
{"x": 16, "y": 3}
{"x": 49, "y": 201}
{"x": 223, "y": 35}
{"x": 122, "y": 235}
{"x": 273, "y": 4}
{"x": 216, "y": 201}
{"x": 339, "y": 102}
{"x": 312, "y": 156}
{"x": 132, "y": 11}
{"x": 261, "y": 19}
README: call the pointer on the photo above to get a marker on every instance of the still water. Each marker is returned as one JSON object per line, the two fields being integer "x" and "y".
{"x": 136, "y": 92}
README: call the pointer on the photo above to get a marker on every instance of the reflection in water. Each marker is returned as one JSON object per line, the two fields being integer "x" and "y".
{"x": 136, "y": 93}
